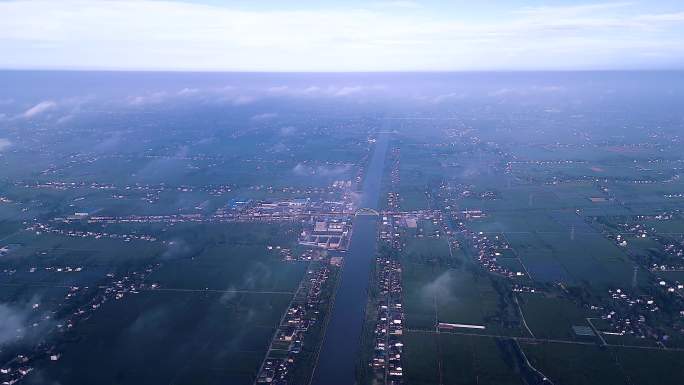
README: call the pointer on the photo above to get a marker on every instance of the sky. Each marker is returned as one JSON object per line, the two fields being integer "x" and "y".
{"x": 303, "y": 36}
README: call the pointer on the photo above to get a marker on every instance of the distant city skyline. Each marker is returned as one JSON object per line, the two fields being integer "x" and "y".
{"x": 341, "y": 36}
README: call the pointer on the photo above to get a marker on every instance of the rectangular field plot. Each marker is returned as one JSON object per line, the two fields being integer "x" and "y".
{"x": 412, "y": 198}
{"x": 517, "y": 222}
{"x": 656, "y": 367}
{"x": 472, "y": 359}
{"x": 235, "y": 268}
{"x": 162, "y": 337}
{"x": 426, "y": 250}
{"x": 48, "y": 249}
{"x": 671, "y": 227}
{"x": 422, "y": 358}
{"x": 44, "y": 267}
{"x": 218, "y": 296}
{"x": 586, "y": 258}
{"x": 574, "y": 364}
{"x": 457, "y": 359}
{"x": 589, "y": 364}
{"x": 550, "y": 317}
{"x": 433, "y": 295}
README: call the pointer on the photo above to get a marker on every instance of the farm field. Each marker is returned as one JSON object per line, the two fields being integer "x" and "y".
{"x": 527, "y": 261}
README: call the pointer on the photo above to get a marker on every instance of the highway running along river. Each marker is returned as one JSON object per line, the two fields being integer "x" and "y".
{"x": 340, "y": 351}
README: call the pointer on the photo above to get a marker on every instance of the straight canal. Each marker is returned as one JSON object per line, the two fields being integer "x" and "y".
{"x": 341, "y": 346}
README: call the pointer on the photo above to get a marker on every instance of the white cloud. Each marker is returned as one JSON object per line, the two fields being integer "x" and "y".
{"x": 527, "y": 90}
{"x": 288, "y": 130}
{"x": 242, "y": 100}
{"x": 300, "y": 170}
{"x": 4, "y": 144}
{"x": 65, "y": 119}
{"x": 669, "y": 17}
{"x": 222, "y": 95}
{"x": 324, "y": 91}
{"x": 450, "y": 96}
{"x": 149, "y": 98}
{"x": 188, "y": 91}
{"x": 311, "y": 90}
{"x": 397, "y": 4}
{"x": 264, "y": 116}
{"x": 322, "y": 170}
{"x": 13, "y": 325}
{"x": 345, "y": 91}
{"x": 573, "y": 10}
{"x": 17, "y": 323}
{"x": 277, "y": 89}
{"x": 39, "y": 109}
{"x": 387, "y": 35}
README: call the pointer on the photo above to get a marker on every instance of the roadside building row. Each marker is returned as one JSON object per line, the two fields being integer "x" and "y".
{"x": 288, "y": 341}
{"x": 388, "y": 346}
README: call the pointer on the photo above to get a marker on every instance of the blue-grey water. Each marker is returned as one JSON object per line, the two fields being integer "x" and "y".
{"x": 341, "y": 346}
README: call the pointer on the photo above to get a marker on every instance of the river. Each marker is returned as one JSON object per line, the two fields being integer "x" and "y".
{"x": 341, "y": 345}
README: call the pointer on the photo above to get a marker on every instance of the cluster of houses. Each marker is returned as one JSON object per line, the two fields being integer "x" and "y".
{"x": 411, "y": 223}
{"x": 154, "y": 189}
{"x": 15, "y": 370}
{"x": 288, "y": 341}
{"x": 628, "y": 314}
{"x": 285, "y": 210}
{"x": 40, "y": 228}
{"x": 388, "y": 346}
{"x": 393, "y": 199}
{"x": 9, "y": 248}
{"x": 115, "y": 288}
{"x": 389, "y": 230}
{"x": 288, "y": 255}
{"x": 341, "y": 184}
{"x": 520, "y": 288}
{"x": 490, "y": 250}
{"x": 675, "y": 287}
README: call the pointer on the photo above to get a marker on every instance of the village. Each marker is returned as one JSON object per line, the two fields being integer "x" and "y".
{"x": 304, "y": 313}
{"x": 388, "y": 347}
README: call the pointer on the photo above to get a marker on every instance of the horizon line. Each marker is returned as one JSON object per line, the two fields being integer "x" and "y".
{"x": 226, "y": 71}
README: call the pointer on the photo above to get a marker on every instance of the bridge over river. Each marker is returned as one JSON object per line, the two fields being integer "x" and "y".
{"x": 367, "y": 211}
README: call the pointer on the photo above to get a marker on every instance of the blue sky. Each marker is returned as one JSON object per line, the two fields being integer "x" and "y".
{"x": 402, "y": 35}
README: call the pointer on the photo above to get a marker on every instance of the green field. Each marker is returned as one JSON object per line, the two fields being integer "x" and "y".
{"x": 219, "y": 297}
{"x": 587, "y": 364}
{"x": 457, "y": 359}
{"x": 180, "y": 337}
